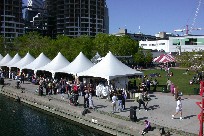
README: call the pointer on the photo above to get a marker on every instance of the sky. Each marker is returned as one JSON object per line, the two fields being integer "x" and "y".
{"x": 153, "y": 16}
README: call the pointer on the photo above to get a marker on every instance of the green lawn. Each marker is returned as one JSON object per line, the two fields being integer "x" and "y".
{"x": 178, "y": 78}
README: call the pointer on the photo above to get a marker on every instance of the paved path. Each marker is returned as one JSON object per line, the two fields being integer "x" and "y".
{"x": 161, "y": 107}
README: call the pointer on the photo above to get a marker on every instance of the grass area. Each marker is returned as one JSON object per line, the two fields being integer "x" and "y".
{"x": 178, "y": 78}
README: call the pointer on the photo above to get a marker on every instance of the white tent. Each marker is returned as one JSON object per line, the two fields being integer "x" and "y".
{"x": 109, "y": 68}
{"x": 24, "y": 61}
{"x": 5, "y": 60}
{"x": 57, "y": 63}
{"x": 1, "y": 57}
{"x": 40, "y": 61}
{"x": 79, "y": 64}
{"x": 15, "y": 59}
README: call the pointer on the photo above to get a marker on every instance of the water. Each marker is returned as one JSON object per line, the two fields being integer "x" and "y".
{"x": 18, "y": 119}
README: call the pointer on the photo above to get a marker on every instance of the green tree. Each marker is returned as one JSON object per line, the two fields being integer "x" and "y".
{"x": 139, "y": 57}
{"x": 2, "y": 48}
{"x": 123, "y": 45}
{"x": 32, "y": 42}
{"x": 102, "y": 43}
{"x": 84, "y": 44}
{"x": 148, "y": 58}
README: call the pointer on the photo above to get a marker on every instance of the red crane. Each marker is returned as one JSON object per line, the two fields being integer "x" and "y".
{"x": 187, "y": 29}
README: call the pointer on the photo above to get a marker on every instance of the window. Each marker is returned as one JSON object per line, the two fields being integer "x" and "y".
{"x": 143, "y": 44}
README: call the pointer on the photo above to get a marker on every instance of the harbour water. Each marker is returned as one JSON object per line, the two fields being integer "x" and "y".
{"x": 18, "y": 119}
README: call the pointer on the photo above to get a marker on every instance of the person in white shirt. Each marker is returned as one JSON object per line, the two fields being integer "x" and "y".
{"x": 178, "y": 108}
{"x": 114, "y": 98}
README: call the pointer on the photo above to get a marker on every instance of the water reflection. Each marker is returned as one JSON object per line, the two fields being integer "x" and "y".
{"x": 16, "y": 119}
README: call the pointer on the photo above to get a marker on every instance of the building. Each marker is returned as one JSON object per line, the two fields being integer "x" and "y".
{"x": 36, "y": 17}
{"x": 176, "y": 44}
{"x": 33, "y": 8}
{"x": 11, "y": 19}
{"x": 77, "y": 17}
{"x": 135, "y": 36}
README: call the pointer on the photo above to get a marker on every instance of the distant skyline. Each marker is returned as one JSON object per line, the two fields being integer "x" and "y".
{"x": 155, "y": 16}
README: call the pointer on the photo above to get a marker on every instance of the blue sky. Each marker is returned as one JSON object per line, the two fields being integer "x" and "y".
{"x": 155, "y": 16}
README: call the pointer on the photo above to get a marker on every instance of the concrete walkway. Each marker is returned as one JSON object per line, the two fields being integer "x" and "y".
{"x": 161, "y": 107}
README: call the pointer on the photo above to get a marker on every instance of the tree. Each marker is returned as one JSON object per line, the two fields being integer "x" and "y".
{"x": 2, "y": 48}
{"x": 139, "y": 57}
{"x": 148, "y": 58}
{"x": 84, "y": 44}
{"x": 31, "y": 42}
{"x": 123, "y": 45}
{"x": 102, "y": 43}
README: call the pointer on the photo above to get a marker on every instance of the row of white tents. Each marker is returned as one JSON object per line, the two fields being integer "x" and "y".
{"x": 109, "y": 67}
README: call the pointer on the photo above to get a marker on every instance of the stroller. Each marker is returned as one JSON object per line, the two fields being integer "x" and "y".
{"x": 73, "y": 99}
{"x": 18, "y": 86}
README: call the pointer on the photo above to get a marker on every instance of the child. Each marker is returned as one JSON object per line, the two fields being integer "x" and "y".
{"x": 147, "y": 127}
{"x": 114, "y": 98}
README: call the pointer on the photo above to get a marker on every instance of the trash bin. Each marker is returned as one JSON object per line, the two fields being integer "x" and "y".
{"x": 164, "y": 89}
{"x": 1, "y": 81}
{"x": 196, "y": 91}
{"x": 133, "y": 116}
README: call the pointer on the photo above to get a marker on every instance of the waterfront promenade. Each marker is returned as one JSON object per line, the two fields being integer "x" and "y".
{"x": 161, "y": 107}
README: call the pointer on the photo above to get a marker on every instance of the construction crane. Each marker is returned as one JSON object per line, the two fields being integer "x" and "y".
{"x": 187, "y": 29}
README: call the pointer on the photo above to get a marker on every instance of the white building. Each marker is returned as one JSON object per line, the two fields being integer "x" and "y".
{"x": 175, "y": 44}
{"x": 35, "y": 3}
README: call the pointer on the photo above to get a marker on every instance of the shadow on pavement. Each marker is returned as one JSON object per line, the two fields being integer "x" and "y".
{"x": 153, "y": 107}
{"x": 188, "y": 117}
{"x": 143, "y": 118}
{"x": 99, "y": 106}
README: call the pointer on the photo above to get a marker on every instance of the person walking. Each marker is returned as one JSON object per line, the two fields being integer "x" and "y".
{"x": 168, "y": 84}
{"x": 141, "y": 101}
{"x": 155, "y": 85}
{"x": 178, "y": 108}
{"x": 123, "y": 100}
{"x": 172, "y": 88}
{"x": 120, "y": 97}
{"x": 86, "y": 99}
{"x": 91, "y": 105}
{"x": 176, "y": 92}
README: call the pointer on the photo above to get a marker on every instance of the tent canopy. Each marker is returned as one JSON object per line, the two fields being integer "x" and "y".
{"x": 79, "y": 64}
{"x": 40, "y": 61}
{"x": 58, "y": 62}
{"x": 15, "y": 59}
{"x": 24, "y": 61}
{"x": 5, "y": 60}
{"x": 109, "y": 68}
{"x": 164, "y": 58}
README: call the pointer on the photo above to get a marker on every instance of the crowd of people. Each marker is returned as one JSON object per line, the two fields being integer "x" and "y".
{"x": 73, "y": 89}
